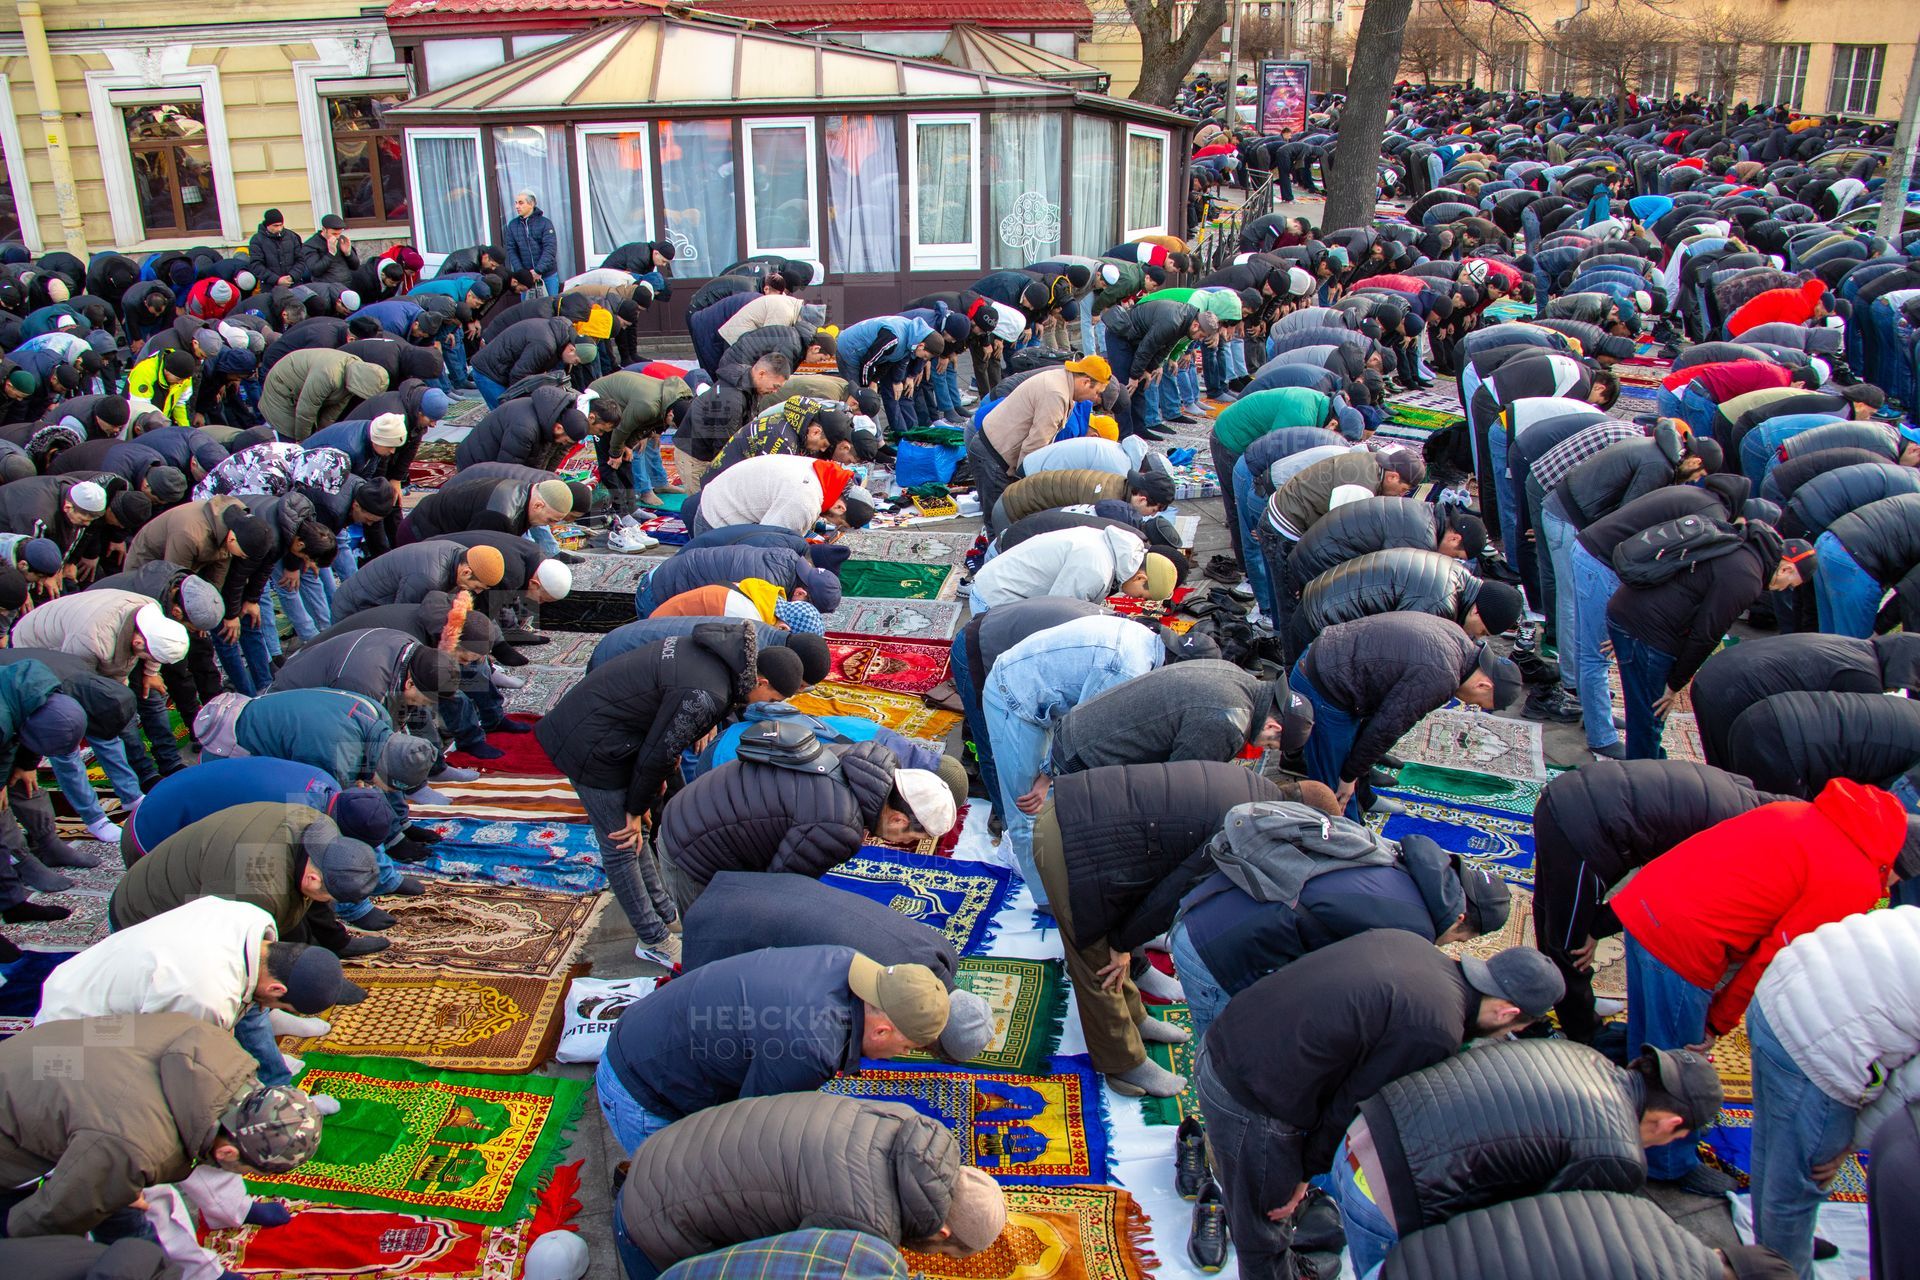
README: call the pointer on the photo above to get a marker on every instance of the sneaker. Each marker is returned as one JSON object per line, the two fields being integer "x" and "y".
{"x": 665, "y": 953}
{"x": 570, "y": 558}
{"x": 103, "y": 830}
{"x": 631, "y": 540}
{"x": 1316, "y": 1224}
{"x": 364, "y": 945}
{"x": 1191, "y": 1168}
{"x": 1552, "y": 704}
{"x": 1207, "y": 1239}
{"x": 1615, "y": 750}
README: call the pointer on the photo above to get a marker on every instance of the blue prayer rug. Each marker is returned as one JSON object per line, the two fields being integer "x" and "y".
{"x": 957, "y": 897}
{"x": 540, "y": 855}
{"x": 1500, "y": 841}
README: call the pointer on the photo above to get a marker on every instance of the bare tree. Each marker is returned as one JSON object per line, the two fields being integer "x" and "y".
{"x": 1612, "y": 45}
{"x": 1733, "y": 42}
{"x": 1266, "y": 37}
{"x": 1433, "y": 47}
{"x": 1168, "y": 46}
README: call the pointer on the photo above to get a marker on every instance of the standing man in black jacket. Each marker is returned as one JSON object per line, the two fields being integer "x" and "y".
{"x": 1372, "y": 679}
{"x": 1284, "y": 1070}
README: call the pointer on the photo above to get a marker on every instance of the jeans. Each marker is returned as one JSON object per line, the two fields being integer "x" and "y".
{"x": 1258, "y": 1162}
{"x": 633, "y": 873}
{"x": 1247, "y": 508}
{"x": 390, "y": 877}
{"x": 1019, "y": 753}
{"x": 454, "y": 349}
{"x": 1847, "y": 596}
{"x": 1559, "y": 534}
{"x": 1274, "y": 548}
{"x": 945, "y": 382}
{"x": 490, "y": 391}
{"x": 961, "y": 666}
{"x": 1593, "y": 585}
{"x": 1508, "y": 502}
{"x": 1206, "y": 998}
{"x": 158, "y": 727}
{"x": 542, "y": 537}
{"x": 649, "y": 468}
{"x": 1643, "y": 681}
{"x": 1370, "y": 1232}
{"x": 1667, "y": 1012}
{"x": 254, "y": 1031}
{"x": 309, "y": 606}
{"x": 248, "y": 664}
{"x": 70, "y": 771}
{"x": 1334, "y": 729}
{"x": 632, "y": 1260}
{"x": 1795, "y": 1126}
{"x": 631, "y": 1123}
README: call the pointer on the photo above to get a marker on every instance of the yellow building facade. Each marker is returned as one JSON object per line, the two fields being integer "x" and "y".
{"x": 182, "y": 134}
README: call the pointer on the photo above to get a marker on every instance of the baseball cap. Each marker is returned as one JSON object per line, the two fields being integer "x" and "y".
{"x": 978, "y": 1212}
{"x": 1692, "y": 1080}
{"x": 363, "y": 813}
{"x": 911, "y": 997}
{"x": 275, "y": 1127}
{"x": 42, "y": 556}
{"x": 315, "y": 981}
{"x": 969, "y": 1027}
{"x": 405, "y": 761}
{"x": 1158, "y": 486}
{"x": 554, "y": 577}
{"x": 782, "y": 670}
{"x": 169, "y": 484}
{"x": 55, "y": 728}
{"x": 255, "y": 536}
{"x": 1471, "y": 528}
{"x": 1295, "y": 715}
{"x": 1521, "y": 976}
{"x": 166, "y": 639}
{"x": 1489, "y": 901}
{"x": 1794, "y": 550}
{"x": 1185, "y": 648}
{"x": 200, "y": 600}
{"x": 1507, "y": 685}
{"x": 347, "y": 866}
{"x": 800, "y": 617}
{"x": 1095, "y": 367}
{"x": 928, "y": 799}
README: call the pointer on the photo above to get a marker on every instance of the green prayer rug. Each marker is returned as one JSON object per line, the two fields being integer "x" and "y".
{"x": 1177, "y": 1058}
{"x": 450, "y": 1144}
{"x": 1515, "y": 795}
{"x": 893, "y": 579}
{"x": 1028, "y": 1000}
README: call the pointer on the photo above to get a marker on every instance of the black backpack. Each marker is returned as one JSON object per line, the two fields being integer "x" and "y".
{"x": 1665, "y": 551}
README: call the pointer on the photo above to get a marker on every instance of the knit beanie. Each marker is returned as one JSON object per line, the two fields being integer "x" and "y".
{"x": 389, "y": 431}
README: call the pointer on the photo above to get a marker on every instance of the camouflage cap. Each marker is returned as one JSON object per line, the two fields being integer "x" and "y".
{"x": 276, "y": 1128}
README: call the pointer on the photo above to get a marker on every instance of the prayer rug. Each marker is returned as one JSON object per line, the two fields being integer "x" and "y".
{"x": 551, "y": 855}
{"x": 92, "y": 889}
{"x": 907, "y": 544}
{"x": 1442, "y": 397}
{"x": 598, "y": 611}
{"x": 544, "y": 688}
{"x": 438, "y": 1018}
{"x": 1055, "y": 1233}
{"x": 1046, "y": 1129}
{"x": 669, "y": 530}
{"x": 1475, "y": 742}
{"x": 451, "y": 1144}
{"x": 488, "y": 928}
{"x": 1680, "y": 738}
{"x": 1500, "y": 842}
{"x": 1637, "y": 401}
{"x": 1177, "y": 1058}
{"x": 549, "y": 799}
{"x": 960, "y": 899}
{"x": 1729, "y": 1145}
{"x": 614, "y": 571}
{"x": 564, "y": 649}
{"x": 1733, "y": 1058}
{"x": 1609, "y": 954}
{"x": 429, "y": 475}
{"x": 1028, "y": 999}
{"x": 889, "y": 662}
{"x": 1511, "y": 794}
{"x": 893, "y": 579}
{"x": 324, "y": 1243}
{"x": 523, "y": 755}
{"x": 25, "y": 977}
{"x": 1156, "y": 611}
{"x": 900, "y": 712}
{"x": 923, "y": 619}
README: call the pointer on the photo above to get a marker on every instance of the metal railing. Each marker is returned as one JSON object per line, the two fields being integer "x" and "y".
{"x": 1219, "y": 239}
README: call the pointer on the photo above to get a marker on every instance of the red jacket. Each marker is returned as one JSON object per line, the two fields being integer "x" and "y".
{"x": 1395, "y": 283}
{"x": 1723, "y": 902}
{"x": 1730, "y": 378}
{"x": 1794, "y": 306}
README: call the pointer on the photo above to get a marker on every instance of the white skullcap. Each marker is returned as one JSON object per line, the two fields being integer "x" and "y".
{"x": 928, "y": 797}
{"x": 89, "y": 497}
{"x": 166, "y": 639}
{"x": 554, "y": 578}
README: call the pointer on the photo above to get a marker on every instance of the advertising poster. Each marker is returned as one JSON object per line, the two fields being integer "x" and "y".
{"x": 1283, "y": 96}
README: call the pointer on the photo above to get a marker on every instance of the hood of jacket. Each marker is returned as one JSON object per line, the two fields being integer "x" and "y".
{"x": 1270, "y": 849}
{"x": 737, "y": 646}
{"x": 1870, "y": 818}
{"x": 1669, "y": 441}
{"x": 198, "y": 1088}
{"x": 550, "y": 402}
{"x": 1127, "y": 550}
{"x": 867, "y": 769}
{"x": 1437, "y": 878}
{"x": 1899, "y": 658}
{"x": 364, "y": 380}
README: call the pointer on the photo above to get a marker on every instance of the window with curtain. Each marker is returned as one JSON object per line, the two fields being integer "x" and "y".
{"x": 1146, "y": 182}
{"x": 863, "y": 194}
{"x": 1096, "y": 187}
{"x": 1855, "y": 88}
{"x": 697, "y": 173}
{"x": 446, "y": 182}
{"x": 943, "y": 199}
{"x": 1023, "y": 166}
{"x": 172, "y": 167}
{"x": 780, "y": 169}
{"x": 368, "y": 171}
{"x": 619, "y": 188}
{"x": 532, "y": 157}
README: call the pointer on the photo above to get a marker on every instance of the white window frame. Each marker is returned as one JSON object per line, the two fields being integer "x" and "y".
{"x": 810, "y": 251}
{"x": 1778, "y": 56}
{"x": 592, "y": 255}
{"x": 1165, "y": 140}
{"x": 108, "y": 92}
{"x": 17, "y": 176}
{"x": 1659, "y": 70}
{"x": 313, "y": 84}
{"x": 943, "y": 257}
{"x": 1842, "y": 86}
{"x": 418, "y": 230}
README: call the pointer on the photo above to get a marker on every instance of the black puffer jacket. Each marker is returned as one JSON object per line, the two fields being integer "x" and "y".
{"x": 108, "y": 703}
{"x": 1199, "y": 710}
{"x": 756, "y": 817}
{"x": 373, "y": 663}
{"x": 720, "y": 411}
{"x": 520, "y": 430}
{"x": 1721, "y": 497}
{"x": 1567, "y": 1235}
{"x": 1618, "y": 815}
{"x": 1795, "y": 743}
{"x": 1361, "y": 528}
{"x": 526, "y": 348}
{"x": 404, "y": 575}
{"x": 1786, "y": 478}
{"x": 1736, "y": 678}
{"x": 744, "y": 911}
{"x": 623, "y": 727}
{"x": 704, "y": 566}
{"x": 1687, "y": 615}
{"x": 470, "y": 500}
{"x": 1402, "y": 580}
{"x": 1618, "y": 474}
{"x": 1883, "y": 536}
{"x": 1388, "y": 669}
{"x": 1505, "y": 1120}
{"x": 1842, "y": 435}
{"x": 1126, "y": 829}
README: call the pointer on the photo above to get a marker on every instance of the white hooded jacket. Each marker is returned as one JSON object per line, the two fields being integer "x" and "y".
{"x": 1081, "y": 564}
{"x": 202, "y": 958}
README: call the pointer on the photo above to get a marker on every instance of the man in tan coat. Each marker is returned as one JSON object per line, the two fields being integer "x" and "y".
{"x": 103, "y": 1108}
{"x": 312, "y": 389}
{"x": 114, "y": 630}
{"x": 1028, "y": 419}
{"x": 205, "y": 538}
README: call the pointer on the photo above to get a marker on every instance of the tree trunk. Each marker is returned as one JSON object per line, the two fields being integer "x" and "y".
{"x": 1164, "y": 60}
{"x": 1352, "y": 184}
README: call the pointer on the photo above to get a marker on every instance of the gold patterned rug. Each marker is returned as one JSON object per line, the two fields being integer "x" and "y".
{"x": 1055, "y": 1233}
{"x": 489, "y": 928}
{"x": 453, "y": 1021}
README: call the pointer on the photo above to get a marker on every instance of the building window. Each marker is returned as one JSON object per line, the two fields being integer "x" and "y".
{"x": 1719, "y": 71}
{"x": 1560, "y": 76}
{"x": 533, "y": 157}
{"x": 863, "y": 195}
{"x": 369, "y": 172}
{"x": 1656, "y": 73}
{"x": 1786, "y": 75}
{"x": 1855, "y": 88}
{"x": 616, "y": 163}
{"x": 697, "y": 175}
{"x": 1146, "y": 182}
{"x": 781, "y": 194}
{"x": 1096, "y": 187}
{"x": 450, "y": 61}
{"x": 1510, "y": 72}
{"x": 447, "y": 189}
{"x": 172, "y": 168}
{"x": 945, "y": 155}
{"x": 1023, "y": 171}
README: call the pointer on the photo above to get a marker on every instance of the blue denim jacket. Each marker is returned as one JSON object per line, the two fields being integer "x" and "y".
{"x": 1053, "y": 671}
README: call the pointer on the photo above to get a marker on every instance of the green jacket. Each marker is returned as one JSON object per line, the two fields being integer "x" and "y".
{"x": 1052, "y": 489}
{"x": 1133, "y": 278}
{"x": 1253, "y": 416}
{"x": 643, "y": 400}
{"x": 249, "y": 853}
{"x": 1224, "y": 303}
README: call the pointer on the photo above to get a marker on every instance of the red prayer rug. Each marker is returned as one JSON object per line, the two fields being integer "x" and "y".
{"x": 893, "y": 663}
{"x": 523, "y": 754}
{"x": 323, "y": 1242}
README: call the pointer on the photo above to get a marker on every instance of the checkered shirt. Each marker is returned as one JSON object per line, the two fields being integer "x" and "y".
{"x": 1553, "y": 466}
